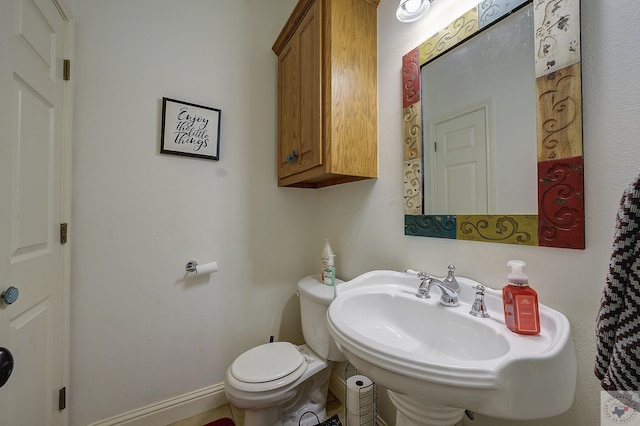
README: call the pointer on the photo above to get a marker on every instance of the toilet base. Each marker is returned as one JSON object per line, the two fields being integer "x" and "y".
{"x": 264, "y": 417}
{"x": 310, "y": 396}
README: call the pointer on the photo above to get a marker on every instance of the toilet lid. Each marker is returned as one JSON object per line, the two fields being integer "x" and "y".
{"x": 268, "y": 362}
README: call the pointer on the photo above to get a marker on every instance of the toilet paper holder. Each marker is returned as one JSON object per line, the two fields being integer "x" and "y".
{"x": 361, "y": 408}
{"x": 191, "y": 266}
{"x": 200, "y": 269}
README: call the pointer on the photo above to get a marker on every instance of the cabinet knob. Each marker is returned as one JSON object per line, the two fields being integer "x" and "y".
{"x": 291, "y": 157}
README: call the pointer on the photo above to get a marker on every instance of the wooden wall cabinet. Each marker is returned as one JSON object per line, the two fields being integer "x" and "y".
{"x": 327, "y": 93}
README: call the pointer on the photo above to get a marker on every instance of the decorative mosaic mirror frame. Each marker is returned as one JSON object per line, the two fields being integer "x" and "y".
{"x": 560, "y": 218}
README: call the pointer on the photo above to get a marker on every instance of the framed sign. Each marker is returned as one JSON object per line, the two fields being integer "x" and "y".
{"x": 190, "y": 130}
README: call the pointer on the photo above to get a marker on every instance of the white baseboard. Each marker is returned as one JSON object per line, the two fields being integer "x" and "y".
{"x": 181, "y": 407}
{"x": 171, "y": 410}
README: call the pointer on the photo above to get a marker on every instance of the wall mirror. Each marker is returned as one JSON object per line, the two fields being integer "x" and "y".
{"x": 492, "y": 117}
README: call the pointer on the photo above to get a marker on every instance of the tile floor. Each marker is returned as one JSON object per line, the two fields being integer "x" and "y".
{"x": 333, "y": 407}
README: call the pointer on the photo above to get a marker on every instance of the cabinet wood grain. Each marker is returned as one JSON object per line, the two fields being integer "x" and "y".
{"x": 327, "y": 93}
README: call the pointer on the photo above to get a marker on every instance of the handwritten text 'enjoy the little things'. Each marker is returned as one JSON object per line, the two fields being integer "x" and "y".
{"x": 191, "y": 129}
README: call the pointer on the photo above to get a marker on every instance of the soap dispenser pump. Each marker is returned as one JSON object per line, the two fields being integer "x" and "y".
{"x": 520, "y": 301}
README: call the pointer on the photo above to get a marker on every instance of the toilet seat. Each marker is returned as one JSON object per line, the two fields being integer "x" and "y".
{"x": 270, "y": 365}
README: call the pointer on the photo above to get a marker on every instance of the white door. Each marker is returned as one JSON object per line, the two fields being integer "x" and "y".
{"x": 461, "y": 164}
{"x": 33, "y": 203}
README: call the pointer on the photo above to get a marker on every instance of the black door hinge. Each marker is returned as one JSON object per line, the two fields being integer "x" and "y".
{"x": 66, "y": 70}
{"x": 63, "y": 233}
{"x": 62, "y": 399}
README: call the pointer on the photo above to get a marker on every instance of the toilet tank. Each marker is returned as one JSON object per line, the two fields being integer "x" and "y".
{"x": 315, "y": 298}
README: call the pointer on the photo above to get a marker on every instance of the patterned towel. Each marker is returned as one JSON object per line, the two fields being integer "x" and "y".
{"x": 618, "y": 323}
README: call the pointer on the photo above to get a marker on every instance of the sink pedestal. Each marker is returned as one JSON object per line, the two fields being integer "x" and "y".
{"x": 417, "y": 412}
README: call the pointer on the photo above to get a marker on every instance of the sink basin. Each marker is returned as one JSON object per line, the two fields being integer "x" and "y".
{"x": 399, "y": 325}
{"x": 437, "y": 361}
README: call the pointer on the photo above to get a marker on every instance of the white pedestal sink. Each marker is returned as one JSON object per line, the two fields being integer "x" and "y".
{"x": 438, "y": 361}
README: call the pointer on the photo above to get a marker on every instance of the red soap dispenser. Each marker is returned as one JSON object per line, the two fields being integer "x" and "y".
{"x": 520, "y": 301}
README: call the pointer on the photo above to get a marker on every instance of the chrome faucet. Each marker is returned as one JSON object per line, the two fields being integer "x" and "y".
{"x": 449, "y": 287}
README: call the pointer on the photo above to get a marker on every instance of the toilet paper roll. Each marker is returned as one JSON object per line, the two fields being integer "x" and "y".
{"x": 206, "y": 268}
{"x": 362, "y": 405}
{"x": 360, "y": 394}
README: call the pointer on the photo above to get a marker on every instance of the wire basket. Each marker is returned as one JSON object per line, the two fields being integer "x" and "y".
{"x": 361, "y": 407}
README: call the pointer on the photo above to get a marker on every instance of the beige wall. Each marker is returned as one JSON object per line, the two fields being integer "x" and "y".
{"x": 141, "y": 333}
{"x": 365, "y": 219}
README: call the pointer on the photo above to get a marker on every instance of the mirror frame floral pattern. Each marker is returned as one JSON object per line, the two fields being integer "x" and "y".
{"x": 560, "y": 219}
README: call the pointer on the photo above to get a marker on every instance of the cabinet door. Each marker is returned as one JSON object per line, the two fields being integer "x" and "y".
{"x": 288, "y": 108}
{"x": 310, "y": 146}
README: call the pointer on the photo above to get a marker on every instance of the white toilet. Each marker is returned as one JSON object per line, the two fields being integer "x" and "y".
{"x": 276, "y": 383}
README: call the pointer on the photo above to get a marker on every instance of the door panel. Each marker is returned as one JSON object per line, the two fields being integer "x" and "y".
{"x": 32, "y": 36}
{"x": 288, "y": 108}
{"x": 310, "y": 90}
{"x": 31, "y": 341}
{"x": 34, "y": 151}
{"x": 461, "y": 164}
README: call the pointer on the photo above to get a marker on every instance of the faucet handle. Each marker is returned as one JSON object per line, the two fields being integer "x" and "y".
{"x": 451, "y": 269}
{"x": 420, "y": 275}
{"x": 479, "y": 309}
